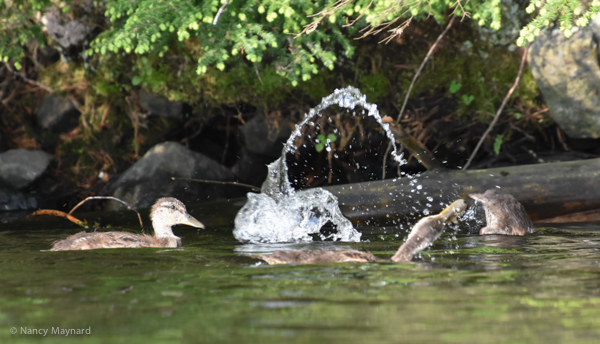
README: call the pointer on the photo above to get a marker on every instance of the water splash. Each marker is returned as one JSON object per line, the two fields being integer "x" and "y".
{"x": 280, "y": 213}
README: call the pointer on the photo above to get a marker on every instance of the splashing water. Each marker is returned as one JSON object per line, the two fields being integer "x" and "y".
{"x": 280, "y": 213}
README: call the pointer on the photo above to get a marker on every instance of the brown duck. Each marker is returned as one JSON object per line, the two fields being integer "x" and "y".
{"x": 165, "y": 213}
{"x": 423, "y": 234}
{"x": 503, "y": 214}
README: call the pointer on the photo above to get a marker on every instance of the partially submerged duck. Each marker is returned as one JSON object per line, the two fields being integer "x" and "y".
{"x": 316, "y": 256}
{"x": 423, "y": 234}
{"x": 165, "y": 213}
{"x": 503, "y": 214}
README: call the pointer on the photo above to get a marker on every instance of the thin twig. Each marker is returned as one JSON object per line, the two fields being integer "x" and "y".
{"x": 429, "y": 53}
{"x": 58, "y": 213}
{"x": 111, "y": 198}
{"x": 252, "y": 187}
{"x": 221, "y": 10}
{"x": 27, "y": 80}
{"x": 510, "y": 92}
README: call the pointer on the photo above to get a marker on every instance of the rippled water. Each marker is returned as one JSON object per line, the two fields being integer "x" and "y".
{"x": 544, "y": 288}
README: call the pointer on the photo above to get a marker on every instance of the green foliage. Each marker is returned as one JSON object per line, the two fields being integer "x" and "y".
{"x": 454, "y": 86}
{"x": 498, "y": 143}
{"x": 253, "y": 30}
{"x": 382, "y": 15}
{"x": 467, "y": 99}
{"x": 324, "y": 141}
{"x": 18, "y": 27}
{"x": 375, "y": 87}
{"x": 264, "y": 33}
{"x": 568, "y": 12}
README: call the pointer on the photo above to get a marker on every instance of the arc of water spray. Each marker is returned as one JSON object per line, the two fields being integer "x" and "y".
{"x": 280, "y": 213}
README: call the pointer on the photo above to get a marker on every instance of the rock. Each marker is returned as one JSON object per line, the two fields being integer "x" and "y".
{"x": 21, "y": 167}
{"x": 258, "y": 138}
{"x": 72, "y": 33}
{"x": 3, "y": 145}
{"x": 568, "y": 74}
{"x": 251, "y": 168}
{"x": 158, "y": 105}
{"x": 57, "y": 114}
{"x": 150, "y": 178}
{"x": 11, "y": 200}
{"x": 48, "y": 55}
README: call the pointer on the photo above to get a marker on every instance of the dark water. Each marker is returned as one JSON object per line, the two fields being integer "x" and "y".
{"x": 544, "y": 288}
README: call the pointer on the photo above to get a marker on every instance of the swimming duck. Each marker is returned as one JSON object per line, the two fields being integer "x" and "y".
{"x": 165, "y": 213}
{"x": 423, "y": 234}
{"x": 503, "y": 214}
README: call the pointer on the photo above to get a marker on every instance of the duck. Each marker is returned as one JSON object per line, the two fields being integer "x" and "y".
{"x": 165, "y": 213}
{"x": 503, "y": 214}
{"x": 422, "y": 235}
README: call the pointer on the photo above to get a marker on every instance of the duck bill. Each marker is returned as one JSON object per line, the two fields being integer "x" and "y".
{"x": 454, "y": 210}
{"x": 478, "y": 197}
{"x": 191, "y": 221}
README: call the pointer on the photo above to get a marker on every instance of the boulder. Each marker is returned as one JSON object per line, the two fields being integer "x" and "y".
{"x": 251, "y": 168}
{"x": 567, "y": 72}
{"x": 11, "y": 200}
{"x": 259, "y": 138}
{"x": 150, "y": 178}
{"x": 21, "y": 167}
{"x": 158, "y": 105}
{"x": 3, "y": 145}
{"x": 261, "y": 144}
{"x": 57, "y": 114}
{"x": 72, "y": 33}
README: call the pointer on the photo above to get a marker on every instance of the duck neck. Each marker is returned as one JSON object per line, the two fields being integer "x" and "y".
{"x": 162, "y": 230}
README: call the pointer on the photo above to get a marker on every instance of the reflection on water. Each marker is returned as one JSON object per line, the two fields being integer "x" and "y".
{"x": 541, "y": 288}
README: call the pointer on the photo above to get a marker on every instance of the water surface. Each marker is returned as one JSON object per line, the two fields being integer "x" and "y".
{"x": 542, "y": 288}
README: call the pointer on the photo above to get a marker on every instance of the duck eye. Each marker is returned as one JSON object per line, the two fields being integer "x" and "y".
{"x": 173, "y": 207}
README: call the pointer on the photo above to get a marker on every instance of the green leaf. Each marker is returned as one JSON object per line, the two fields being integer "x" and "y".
{"x": 321, "y": 138}
{"x": 498, "y": 143}
{"x": 468, "y": 99}
{"x": 518, "y": 115}
{"x": 319, "y": 147}
{"x": 331, "y": 138}
{"x": 136, "y": 80}
{"x": 455, "y": 86}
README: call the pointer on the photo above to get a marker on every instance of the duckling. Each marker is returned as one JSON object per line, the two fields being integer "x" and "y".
{"x": 503, "y": 214}
{"x": 165, "y": 213}
{"x": 316, "y": 256}
{"x": 427, "y": 230}
{"x": 423, "y": 234}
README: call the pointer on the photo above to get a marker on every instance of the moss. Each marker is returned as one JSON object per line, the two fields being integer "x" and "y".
{"x": 375, "y": 87}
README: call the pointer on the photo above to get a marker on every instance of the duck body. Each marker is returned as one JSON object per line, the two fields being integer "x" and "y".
{"x": 423, "y": 234}
{"x": 503, "y": 214}
{"x": 165, "y": 213}
{"x": 316, "y": 256}
{"x": 427, "y": 230}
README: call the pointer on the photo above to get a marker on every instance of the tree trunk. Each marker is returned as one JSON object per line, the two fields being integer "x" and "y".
{"x": 546, "y": 190}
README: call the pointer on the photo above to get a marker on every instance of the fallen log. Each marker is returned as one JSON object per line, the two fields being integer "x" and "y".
{"x": 545, "y": 190}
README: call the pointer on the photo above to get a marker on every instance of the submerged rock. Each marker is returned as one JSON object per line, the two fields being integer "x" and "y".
{"x": 21, "y": 167}
{"x": 150, "y": 178}
{"x": 11, "y": 200}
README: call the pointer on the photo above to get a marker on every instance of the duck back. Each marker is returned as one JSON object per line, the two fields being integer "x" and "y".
{"x": 97, "y": 240}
